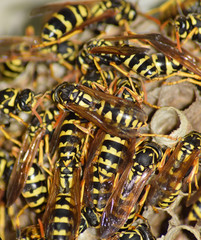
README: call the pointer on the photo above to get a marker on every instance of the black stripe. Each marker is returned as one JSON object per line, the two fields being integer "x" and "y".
{"x": 135, "y": 59}
{"x": 113, "y": 144}
{"x": 68, "y": 16}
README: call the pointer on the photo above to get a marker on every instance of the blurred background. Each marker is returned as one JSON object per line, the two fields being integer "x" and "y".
{"x": 15, "y": 14}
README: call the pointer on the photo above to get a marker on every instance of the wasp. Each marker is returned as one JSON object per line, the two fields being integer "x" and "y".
{"x": 189, "y": 24}
{"x": 75, "y": 16}
{"x": 17, "y": 52}
{"x": 15, "y": 187}
{"x": 90, "y": 57}
{"x": 131, "y": 184}
{"x": 66, "y": 205}
{"x": 27, "y": 154}
{"x": 142, "y": 231}
{"x": 15, "y": 59}
{"x": 167, "y": 184}
{"x": 15, "y": 100}
{"x": 35, "y": 189}
{"x": 111, "y": 152}
{"x": 100, "y": 179}
{"x": 12, "y": 102}
{"x": 112, "y": 114}
{"x": 167, "y": 61}
{"x": 134, "y": 58}
{"x": 169, "y": 49}
{"x": 13, "y": 50}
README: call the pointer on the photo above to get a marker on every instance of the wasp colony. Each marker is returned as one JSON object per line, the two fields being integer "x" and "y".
{"x": 100, "y": 128}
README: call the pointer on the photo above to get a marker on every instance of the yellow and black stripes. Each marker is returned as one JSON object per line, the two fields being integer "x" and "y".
{"x": 72, "y": 16}
{"x": 93, "y": 187}
{"x": 125, "y": 11}
{"x": 65, "y": 51}
{"x": 64, "y": 21}
{"x": 35, "y": 189}
{"x": 63, "y": 221}
{"x": 151, "y": 66}
{"x": 48, "y": 120}
{"x": 111, "y": 157}
{"x": 123, "y": 84}
{"x": 89, "y": 218}
{"x": 6, "y": 166}
{"x": 195, "y": 212}
{"x": 140, "y": 63}
{"x": 164, "y": 65}
{"x": 186, "y": 24}
{"x": 141, "y": 232}
{"x": 13, "y": 100}
{"x": 167, "y": 184}
{"x": 115, "y": 115}
{"x": 70, "y": 141}
{"x": 190, "y": 142}
{"x": 66, "y": 211}
{"x": 12, "y": 69}
{"x": 95, "y": 77}
{"x": 148, "y": 66}
{"x": 147, "y": 156}
{"x": 123, "y": 203}
{"x": 85, "y": 60}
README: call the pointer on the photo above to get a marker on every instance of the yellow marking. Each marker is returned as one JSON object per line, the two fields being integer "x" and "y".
{"x": 88, "y": 98}
{"x": 136, "y": 124}
{"x": 100, "y": 110}
{"x": 108, "y": 115}
{"x": 61, "y": 232}
{"x": 111, "y": 150}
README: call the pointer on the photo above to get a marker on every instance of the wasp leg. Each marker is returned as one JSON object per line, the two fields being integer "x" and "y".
{"x": 183, "y": 80}
{"x": 7, "y": 136}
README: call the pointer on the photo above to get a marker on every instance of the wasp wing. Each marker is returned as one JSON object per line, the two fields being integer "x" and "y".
{"x": 119, "y": 50}
{"x": 21, "y": 168}
{"x": 121, "y": 202}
